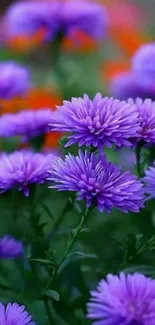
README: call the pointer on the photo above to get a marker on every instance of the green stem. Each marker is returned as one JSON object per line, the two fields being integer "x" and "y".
{"x": 58, "y": 68}
{"x": 59, "y": 220}
{"x": 37, "y": 142}
{"x": 48, "y": 311}
{"x": 45, "y": 298}
{"x": 69, "y": 246}
{"x": 138, "y": 158}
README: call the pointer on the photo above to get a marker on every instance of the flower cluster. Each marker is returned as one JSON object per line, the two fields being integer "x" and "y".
{"x": 20, "y": 169}
{"x": 27, "y": 18}
{"x": 124, "y": 299}
{"x": 106, "y": 121}
{"x": 97, "y": 181}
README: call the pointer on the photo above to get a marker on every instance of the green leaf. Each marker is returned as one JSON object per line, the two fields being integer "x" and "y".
{"x": 41, "y": 260}
{"x": 52, "y": 294}
{"x": 3, "y": 284}
{"x": 83, "y": 255}
{"x": 144, "y": 269}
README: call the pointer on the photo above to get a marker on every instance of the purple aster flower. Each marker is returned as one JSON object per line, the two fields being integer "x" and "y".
{"x": 149, "y": 180}
{"x": 14, "y": 314}
{"x": 123, "y": 299}
{"x": 102, "y": 121}
{"x": 14, "y": 80}
{"x": 28, "y": 17}
{"x": 10, "y": 247}
{"x": 26, "y": 123}
{"x": 22, "y": 168}
{"x": 146, "y": 111}
{"x": 126, "y": 85}
{"x": 127, "y": 158}
{"x": 143, "y": 65}
{"x": 87, "y": 16}
{"x": 98, "y": 182}
{"x": 56, "y": 16}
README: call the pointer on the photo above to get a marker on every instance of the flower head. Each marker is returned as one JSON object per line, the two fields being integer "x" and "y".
{"x": 149, "y": 180}
{"x": 123, "y": 300}
{"x": 20, "y": 169}
{"x": 10, "y": 247}
{"x": 83, "y": 15}
{"x": 143, "y": 64}
{"x": 97, "y": 181}
{"x": 14, "y": 80}
{"x": 102, "y": 121}
{"x": 26, "y": 123}
{"x": 146, "y": 111}
{"x": 29, "y": 17}
{"x": 14, "y": 314}
{"x": 126, "y": 85}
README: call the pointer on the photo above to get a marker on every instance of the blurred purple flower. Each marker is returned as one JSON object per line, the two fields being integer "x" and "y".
{"x": 97, "y": 181}
{"x": 28, "y": 17}
{"x": 10, "y": 247}
{"x": 126, "y": 85}
{"x": 56, "y": 16}
{"x": 84, "y": 15}
{"x": 102, "y": 121}
{"x": 149, "y": 180}
{"x": 20, "y": 169}
{"x": 126, "y": 158}
{"x": 14, "y": 80}
{"x": 123, "y": 299}
{"x": 143, "y": 65}
{"x": 14, "y": 314}
{"x": 146, "y": 111}
{"x": 26, "y": 123}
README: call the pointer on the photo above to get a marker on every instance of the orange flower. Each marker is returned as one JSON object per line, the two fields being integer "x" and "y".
{"x": 129, "y": 40}
{"x": 112, "y": 68}
{"x": 26, "y": 43}
{"x": 12, "y": 105}
{"x": 42, "y": 98}
{"x": 35, "y": 99}
{"x": 51, "y": 140}
{"x": 79, "y": 42}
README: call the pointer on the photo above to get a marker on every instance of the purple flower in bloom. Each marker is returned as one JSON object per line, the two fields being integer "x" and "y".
{"x": 28, "y": 17}
{"x": 143, "y": 65}
{"x": 14, "y": 80}
{"x": 146, "y": 111}
{"x": 97, "y": 181}
{"x": 14, "y": 314}
{"x": 126, "y": 85}
{"x": 26, "y": 123}
{"x": 123, "y": 300}
{"x": 10, "y": 247}
{"x": 56, "y": 16}
{"x": 20, "y": 169}
{"x": 149, "y": 180}
{"x": 102, "y": 121}
{"x": 87, "y": 16}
